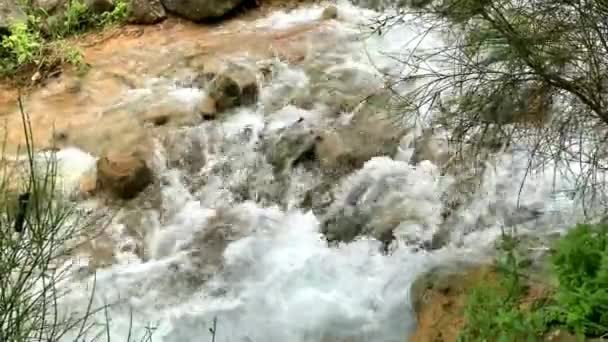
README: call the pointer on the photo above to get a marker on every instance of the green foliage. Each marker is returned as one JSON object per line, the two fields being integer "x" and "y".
{"x": 22, "y": 46}
{"x": 492, "y": 311}
{"x": 581, "y": 266}
{"x": 119, "y": 14}
{"x": 579, "y": 303}
{"x": 493, "y": 315}
{"x": 40, "y": 42}
{"x": 78, "y": 18}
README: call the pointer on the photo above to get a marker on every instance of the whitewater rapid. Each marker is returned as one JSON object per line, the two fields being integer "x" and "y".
{"x": 279, "y": 280}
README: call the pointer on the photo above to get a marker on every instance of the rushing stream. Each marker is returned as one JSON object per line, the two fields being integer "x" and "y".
{"x": 271, "y": 276}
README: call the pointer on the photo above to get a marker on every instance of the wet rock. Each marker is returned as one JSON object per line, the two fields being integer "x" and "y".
{"x": 207, "y": 108}
{"x": 335, "y": 156}
{"x": 229, "y": 88}
{"x": 431, "y": 148}
{"x": 185, "y": 150}
{"x": 347, "y": 148}
{"x": 384, "y": 200}
{"x": 330, "y": 12}
{"x": 293, "y": 146}
{"x": 124, "y": 175}
{"x": 208, "y": 245}
{"x": 146, "y": 12}
{"x": 10, "y": 13}
{"x": 87, "y": 186}
{"x": 168, "y": 113}
{"x": 319, "y": 198}
{"x": 99, "y": 6}
{"x": 225, "y": 92}
{"x": 249, "y": 93}
{"x": 200, "y": 10}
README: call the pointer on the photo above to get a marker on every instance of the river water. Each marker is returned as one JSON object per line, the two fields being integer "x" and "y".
{"x": 277, "y": 278}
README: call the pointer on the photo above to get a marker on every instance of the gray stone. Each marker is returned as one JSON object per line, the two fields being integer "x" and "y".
{"x": 99, "y": 6}
{"x": 49, "y": 6}
{"x": 330, "y": 12}
{"x": 10, "y": 13}
{"x": 146, "y": 12}
{"x": 199, "y": 10}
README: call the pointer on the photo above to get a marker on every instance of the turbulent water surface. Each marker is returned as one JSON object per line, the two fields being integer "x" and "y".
{"x": 271, "y": 276}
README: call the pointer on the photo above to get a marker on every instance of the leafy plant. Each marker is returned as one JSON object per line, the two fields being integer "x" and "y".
{"x": 493, "y": 315}
{"x": 40, "y": 40}
{"x": 22, "y": 46}
{"x": 119, "y": 14}
{"x": 492, "y": 310}
{"x": 579, "y": 303}
{"x": 581, "y": 266}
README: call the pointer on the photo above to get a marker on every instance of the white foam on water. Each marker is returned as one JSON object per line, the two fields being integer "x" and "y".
{"x": 283, "y": 19}
{"x": 70, "y": 165}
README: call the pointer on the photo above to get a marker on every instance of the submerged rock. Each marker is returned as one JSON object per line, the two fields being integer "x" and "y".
{"x": 381, "y": 201}
{"x": 225, "y": 92}
{"x": 229, "y": 88}
{"x": 185, "y": 150}
{"x": 199, "y": 10}
{"x": 294, "y": 145}
{"x": 431, "y": 148}
{"x": 123, "y": 174}
{"x": 206, "y": 249}
{"x": 347, "y": 148}
{"x": 330, "y": 12}
{"x": 146, "y": 12}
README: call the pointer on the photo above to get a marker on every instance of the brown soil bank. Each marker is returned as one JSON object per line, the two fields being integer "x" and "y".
{"x": 440, "y": 295}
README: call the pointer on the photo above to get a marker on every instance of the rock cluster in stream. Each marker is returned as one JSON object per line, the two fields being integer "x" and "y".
{"x": 373, "y": 205}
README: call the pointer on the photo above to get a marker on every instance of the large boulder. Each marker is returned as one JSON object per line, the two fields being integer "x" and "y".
{"x": 146, "y": 12}
{"x": 10, "y": 13}
{"x": 123, "y": 174}
{"x": 49, "y": 6}
{"x": 99, "y": 6}
{"x": 200, "y": 10}
{"x": 347, "y": 148}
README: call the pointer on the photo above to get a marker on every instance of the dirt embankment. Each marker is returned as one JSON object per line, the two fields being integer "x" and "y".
{"x": 440, "y": 296}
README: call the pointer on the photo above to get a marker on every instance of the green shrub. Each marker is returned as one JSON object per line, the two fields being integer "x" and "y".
{"x": 39, "y": 42}
{"x": 579, "y": 302}
{"x": 581, "y": 266}
{"x": 492, "y": 315}
{"x": 78, "y": 19}
{"x": 492, "y": 311}
{"x": 22, "y": 46}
